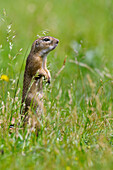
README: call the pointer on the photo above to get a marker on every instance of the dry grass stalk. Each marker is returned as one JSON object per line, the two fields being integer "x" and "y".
{"x": 82, "y": 65}
{"x": 57, "y": 74}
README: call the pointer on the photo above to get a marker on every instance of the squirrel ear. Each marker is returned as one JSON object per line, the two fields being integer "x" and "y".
{"x": 37, "y": 44}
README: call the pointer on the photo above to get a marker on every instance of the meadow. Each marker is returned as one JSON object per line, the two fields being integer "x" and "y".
{"x": 77, "y": 124}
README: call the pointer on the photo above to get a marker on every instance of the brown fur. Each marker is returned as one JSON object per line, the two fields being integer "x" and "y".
{"x": 34, "y": 71}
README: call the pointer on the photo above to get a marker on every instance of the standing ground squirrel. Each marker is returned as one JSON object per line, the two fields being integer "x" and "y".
{"x": 34, "y": 71}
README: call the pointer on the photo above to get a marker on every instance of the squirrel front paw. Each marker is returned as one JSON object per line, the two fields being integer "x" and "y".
{"x": 45, "y": 73}
{"x": 49, "y": 80}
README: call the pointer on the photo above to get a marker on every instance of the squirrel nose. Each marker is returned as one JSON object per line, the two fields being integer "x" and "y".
{"x": 57, "y": 41}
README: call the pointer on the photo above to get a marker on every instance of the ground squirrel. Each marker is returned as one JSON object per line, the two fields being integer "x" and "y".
{"x": 34, "y": 71}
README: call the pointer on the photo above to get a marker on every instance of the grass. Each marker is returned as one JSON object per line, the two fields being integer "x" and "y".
{"x": 77, "y": 124}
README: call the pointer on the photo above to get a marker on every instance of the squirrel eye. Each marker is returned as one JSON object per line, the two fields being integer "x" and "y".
{"x": 46, "y": 39}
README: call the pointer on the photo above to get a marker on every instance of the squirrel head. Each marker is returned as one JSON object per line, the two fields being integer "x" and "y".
{"x": 44, "y": 45}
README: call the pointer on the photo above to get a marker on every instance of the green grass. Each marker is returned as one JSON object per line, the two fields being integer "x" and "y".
{"x": 77, "y": 124}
